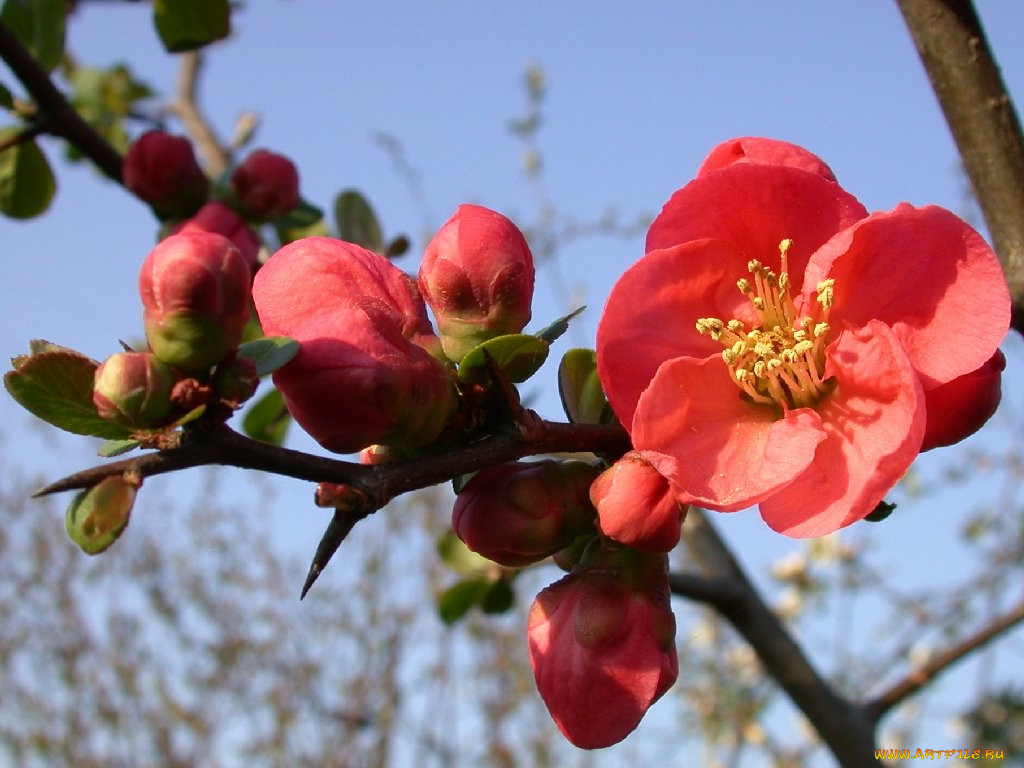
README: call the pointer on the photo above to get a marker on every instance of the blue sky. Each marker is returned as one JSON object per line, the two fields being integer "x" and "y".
{"x": 638, "y": 93}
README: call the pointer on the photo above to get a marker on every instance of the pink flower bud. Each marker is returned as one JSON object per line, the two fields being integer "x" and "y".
{"x": 602, "y": 645}
{"x": 267, "y": 185}
{"x": 477, "y": 276}
{"x": 161, "y": 170}
{"x": 133, "y": 389}
{"x": 221, "y": 220}
{"x": 518, "y": 513}
{"x": 636, "y": 506}
{"x": 195, "y": 298}
{"x": 363, "y": 374}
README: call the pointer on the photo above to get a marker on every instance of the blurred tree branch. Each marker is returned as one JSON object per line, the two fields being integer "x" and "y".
{"x": 186, "y": 107}
{"x": 56, "y": 116}
{"x": 983, "y": 120}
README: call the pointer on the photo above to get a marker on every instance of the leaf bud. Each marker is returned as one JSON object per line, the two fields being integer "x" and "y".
{"x": 133, "y": 389}
{"x": 97, "y": 516}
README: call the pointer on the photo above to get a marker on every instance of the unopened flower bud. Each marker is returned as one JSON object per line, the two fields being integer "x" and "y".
{"x": 636, "y": 506}
{"x": 266, "y": 185}
{"x": 195, "y": 296}
{"x": 236, "y": 382}
{"x": 133, "y": 389}
{"x": 162, "y": 170}
{"x": 602, "y": 645}
{"x": 477, "y": 276}
{"x": 519, "y": 513}
{"x": 97, "y": 516}
{"x": 220, "y": 219}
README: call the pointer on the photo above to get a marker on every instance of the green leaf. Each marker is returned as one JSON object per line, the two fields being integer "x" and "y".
{"x": 268, "y": 419}
{"x": 499, "y": 597}
{"x": 557, "y": 328}
{"x": 304, "y": 215}
{"x": 457, "y": 556}
{"x": 116, "y": 447}
{"x": 184, "y": 25}
{"x": 357, "y": 223}
{"x": 269, "y": 353}
{"x": 26, "y": 181}
{"x": 97, "y": 516}
{"x": 580, "y": 389}
{"x": 456, "y": 601}
{"x": 57, "y": 387}
{"x": 881, "y": 512}
{"x": 519, "y": 355}
{"x": 6, "y": 99}
{"x": 39, "y": 26}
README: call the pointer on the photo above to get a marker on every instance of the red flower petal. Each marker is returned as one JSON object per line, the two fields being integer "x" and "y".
{"x": 717, "y": 449}
{"x": 636, "y": 506}
{"x": 960, "y": 407}
{"x": 927, "y": 275}
{"x": 873, "y": 422}
{"x": 652, "y": 312}
{"x": 753, "y": 149}
{"x": 756, "y": 207}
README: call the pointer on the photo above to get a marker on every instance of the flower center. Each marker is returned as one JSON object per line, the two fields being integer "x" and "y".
{"x": 782, "y": 360}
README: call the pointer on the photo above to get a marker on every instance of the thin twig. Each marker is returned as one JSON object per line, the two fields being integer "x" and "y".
{"x": 982, "y": 118}
{"x": 215, "y": 155}
{"x": 56, "y": 116}
{"x": 923, "y": 675}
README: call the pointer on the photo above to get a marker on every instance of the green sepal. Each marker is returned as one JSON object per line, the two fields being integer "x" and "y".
{"x": 39, "y": 26}
{"x": 97, "y": 516}
{"x": 557, "y": 328}
{"x": 518, "y": 355}
{"x": 113, "y": 448}
{"x": 357, "y": 223}
{"x": 269, "y": 353}
{"x": 184, "y": 25}
{"x": 267, "y": 419}
{"x": 27, "y": 184}
{"x": 56, "y": 386}
{"x": 579, "y": 387}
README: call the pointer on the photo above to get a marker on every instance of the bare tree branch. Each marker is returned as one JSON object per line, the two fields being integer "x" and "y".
{"x": 923, "y": 675}
{"x": 982, "y": 118}
{"x": 56, "y": 116}
{"x": 842, "y": 725}
{"x": 215, "y": 156}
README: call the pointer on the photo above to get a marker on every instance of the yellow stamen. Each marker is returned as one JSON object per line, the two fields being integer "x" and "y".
{"x": 781, "y": 361}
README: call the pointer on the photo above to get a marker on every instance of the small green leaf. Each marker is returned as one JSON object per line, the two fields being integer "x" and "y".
{"x": 304, "y": 215}
{"x": 268, "y": 419}
{"x": 881, "y": 512}
{"x": 116, "y": 447}
{"x": 97, "y": 516}
{"x": 557, "y": 328}
{"x": 57, "y": 387}
{"x": 357, "y": 223}
{"x": 499, "y": 597}
{"x": 269, "y": 353}
{"x": 6, "y": 99}
{"x": 39, "y": 26}
{"x": 26, "y": 181}
{"x": 184, "y": 25}
{"x": 457, "y": 556}
{"x": 456, "y": 601}
{"x": 580, "y": 389}
{"x": 519, "y": 355}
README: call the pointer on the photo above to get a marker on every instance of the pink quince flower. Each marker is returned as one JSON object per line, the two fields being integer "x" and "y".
{"x": 365, "y": 372}
{"x": 477, "y": 275}
{"x": 780, "y": 346}
{"x": 602, "y": 645}
{"x": 633, "y": 485}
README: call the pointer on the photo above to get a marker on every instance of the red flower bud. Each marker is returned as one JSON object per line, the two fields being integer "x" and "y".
{"x": 636, "y": 506}
{"x": 133, "y": 389}
{"x": 477, "y": 276}
{"x": 363, "y": 374}
{"x": 162, "y": 170}
{"x": 518, "y": 513}
{"x": 267, "y": 185}
{"x": 221, "y": 220}
{"x": 195, "y": 295}
{"x": 602, "y": 645}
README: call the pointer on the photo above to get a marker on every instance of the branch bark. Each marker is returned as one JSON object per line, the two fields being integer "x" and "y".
{"x": 844, "y": 727}
{"x": 953, "y": 48}
{"x": 56, "y": 116}
{"x": 186, "y": 106}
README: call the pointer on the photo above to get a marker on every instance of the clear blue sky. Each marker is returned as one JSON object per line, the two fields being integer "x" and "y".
{"x": 638, "y": 93}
